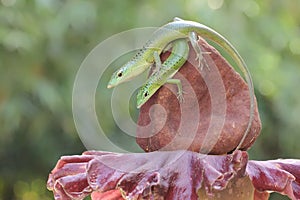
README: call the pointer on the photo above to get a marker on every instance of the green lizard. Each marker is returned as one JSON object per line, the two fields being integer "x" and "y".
{"x": 149, "y": 54}
{"x": 168, "y": 69}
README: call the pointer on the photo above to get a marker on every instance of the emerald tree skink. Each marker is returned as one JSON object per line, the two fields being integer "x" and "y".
{"x": 168, "y": 69}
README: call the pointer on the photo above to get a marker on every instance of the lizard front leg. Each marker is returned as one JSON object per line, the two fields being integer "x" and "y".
{"x": 157, "y": 61}
{"x": 179, "y": 87}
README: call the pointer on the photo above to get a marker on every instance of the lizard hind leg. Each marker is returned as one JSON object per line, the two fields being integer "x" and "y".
{"x": 193, "y": 37}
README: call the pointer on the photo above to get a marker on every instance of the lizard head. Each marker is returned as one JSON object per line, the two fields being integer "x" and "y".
{"x": 127, "y": 72}
{"x": 145, "y": 92}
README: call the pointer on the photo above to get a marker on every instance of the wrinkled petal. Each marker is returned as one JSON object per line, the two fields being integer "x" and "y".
{"x": 171, "y": 175}
{"x": 282, "y": 176}
{"x": 158, "y": 175}
{"x": 68, "y": 179}
{"x": 75, "y": 186}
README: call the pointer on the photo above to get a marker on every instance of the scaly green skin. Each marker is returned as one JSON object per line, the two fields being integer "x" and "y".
{"x": 168, "y": 69}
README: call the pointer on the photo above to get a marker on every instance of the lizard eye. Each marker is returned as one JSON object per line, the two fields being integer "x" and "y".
{"x": 146, "y": 94}
{"x": 120, "y": 74}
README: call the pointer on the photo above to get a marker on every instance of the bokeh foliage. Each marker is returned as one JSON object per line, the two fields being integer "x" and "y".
{"x": 43, "y": 42}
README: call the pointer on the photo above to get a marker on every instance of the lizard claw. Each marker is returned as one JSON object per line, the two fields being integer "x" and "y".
{"x": 180, "y": 96}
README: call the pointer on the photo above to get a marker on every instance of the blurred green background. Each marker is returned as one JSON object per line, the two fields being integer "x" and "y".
{"x": 43, "y": 42}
